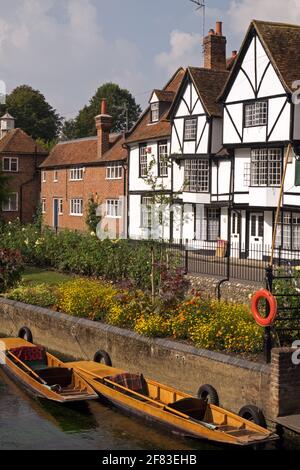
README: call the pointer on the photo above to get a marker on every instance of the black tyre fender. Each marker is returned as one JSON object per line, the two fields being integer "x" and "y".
{"x": 209, "y": 393}
{"x": 103, "y": 357}
{"x": 25, "y": 333}
{"x": 253, "y": 414}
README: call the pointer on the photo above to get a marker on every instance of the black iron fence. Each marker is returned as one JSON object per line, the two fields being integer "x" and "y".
{"x": 229, "y": 261}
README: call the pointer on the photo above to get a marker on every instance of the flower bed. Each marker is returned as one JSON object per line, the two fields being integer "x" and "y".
{"x": 204, "y": 322}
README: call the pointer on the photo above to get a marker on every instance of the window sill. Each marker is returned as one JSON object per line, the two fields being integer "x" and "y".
{"x": 113, "y": 217}
{"x": 76, "y": 215}
{"x": 114, "y": 179}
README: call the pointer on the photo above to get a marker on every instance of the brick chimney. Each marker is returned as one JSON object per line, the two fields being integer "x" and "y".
{"x": 103, "y": 125}
{"x": 215, "y": 49}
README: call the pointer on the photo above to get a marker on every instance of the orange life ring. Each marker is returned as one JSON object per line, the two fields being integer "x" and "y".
{"x": 264, "y": 294}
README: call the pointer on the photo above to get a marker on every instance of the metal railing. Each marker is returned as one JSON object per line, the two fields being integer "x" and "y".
{"x": 234, "y": 261}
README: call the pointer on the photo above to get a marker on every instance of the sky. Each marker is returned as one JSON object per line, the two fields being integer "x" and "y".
{"x": 68, "y": 48}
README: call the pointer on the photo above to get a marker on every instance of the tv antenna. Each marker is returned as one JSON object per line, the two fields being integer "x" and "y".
{"x": 200, "y": 4}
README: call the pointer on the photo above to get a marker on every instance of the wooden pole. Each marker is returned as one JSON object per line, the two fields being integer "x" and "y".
{"x": 287, "y": 156}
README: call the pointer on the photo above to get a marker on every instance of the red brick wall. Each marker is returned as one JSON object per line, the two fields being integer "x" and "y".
{"x": 94, "y": 182}
{"x": 27, "y": 183}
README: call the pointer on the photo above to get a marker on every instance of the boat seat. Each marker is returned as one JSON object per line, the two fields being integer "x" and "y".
{"x": 56, "y": 376}
{"x": 34, "y": 357}
{"x": 134, "y": 382}
{"x": 193, "y": 407}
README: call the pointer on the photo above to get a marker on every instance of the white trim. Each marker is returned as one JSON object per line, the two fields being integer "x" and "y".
{"x": 55, "y": 176}
{"x": 10, "y": 159}
{"x": 9, "y": 203}
{"x": 76, "y": 201}
{"x": 116, "y": 204}
{"x": 76, "y": 173}
{"x": 44, "y": 205}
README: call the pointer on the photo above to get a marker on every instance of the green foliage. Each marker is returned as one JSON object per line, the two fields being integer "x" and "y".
{"x": 92, "y": 219}
{"x": 41, "y": 295}
{"x": 32, "y": 113}
{"x": 11, "y": 268}
{"x": 117, "y": 100}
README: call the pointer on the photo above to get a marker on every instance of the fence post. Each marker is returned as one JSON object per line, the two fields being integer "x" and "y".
{"x": 267, "y": 336}
{"x": 186, "y": 259}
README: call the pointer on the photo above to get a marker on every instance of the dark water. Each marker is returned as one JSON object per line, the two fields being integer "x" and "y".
{"x": 27, "y": 423}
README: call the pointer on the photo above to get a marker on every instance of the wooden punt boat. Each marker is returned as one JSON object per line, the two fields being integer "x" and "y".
{"x": 179, "y": 411}
{"x": 42, "y": 374}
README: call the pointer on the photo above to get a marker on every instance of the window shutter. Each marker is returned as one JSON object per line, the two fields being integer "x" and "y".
{"x": 297, "y": 173}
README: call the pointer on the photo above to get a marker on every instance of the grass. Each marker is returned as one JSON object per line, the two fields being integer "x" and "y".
{"x": 33, "y": 276}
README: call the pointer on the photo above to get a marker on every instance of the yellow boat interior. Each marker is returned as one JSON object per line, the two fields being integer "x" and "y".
{"x": 47, "y": 371}
{"x": 170, "y": 400}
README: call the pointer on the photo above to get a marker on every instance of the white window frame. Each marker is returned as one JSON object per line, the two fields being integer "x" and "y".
{"x": 60, "y": 206}
{"x": 256, "y": 114}
{"x": 10, "y": 163}
{"x": 266, "y": 167}
{"x": 44, "y": 205}
{"x": 55, "y": 176}
{"x": 143, "y": 161}
{"x": 76, "y": 173}
{"x": 44, "y": 177}
{"x": 197, "y": 175}
{"x": 163, "y": 167}
{"x": 155, "y": 112}
{"x": 190, "y": 129}
{"x": 114, "y": 208}
{"x": 114, "y": 172}
{"x": 147, "y": 205}
{"x": 76, "y": 207}
{"x": 7, "y": 205}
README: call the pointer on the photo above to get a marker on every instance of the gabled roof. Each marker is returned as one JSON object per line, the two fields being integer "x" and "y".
{"x": 144, "y": 129}
{"x": 85, "y": 152}
{"x": 164, "y": 96}
{"x": 282, "y": 44}
{"x": 209, "y": 84}
{"x": 17, "y": 141}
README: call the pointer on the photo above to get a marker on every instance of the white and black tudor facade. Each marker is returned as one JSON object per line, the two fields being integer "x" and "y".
{"x": 230, "y": 123}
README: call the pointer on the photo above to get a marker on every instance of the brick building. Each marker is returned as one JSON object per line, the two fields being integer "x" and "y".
{"x": 20, "y": 158}
{"x": 80, "y": 169}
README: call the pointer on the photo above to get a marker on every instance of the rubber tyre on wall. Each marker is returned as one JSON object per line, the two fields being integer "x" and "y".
{"x": 253, "y": 414}
{"x": 209, "y": 393}
{"x": 26, "y": 334}
{"x": 103, "y": 357}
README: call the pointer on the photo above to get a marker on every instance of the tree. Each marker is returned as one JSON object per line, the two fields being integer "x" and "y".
{"x": 32, "y": 113}
{"x": 121, "y": 105}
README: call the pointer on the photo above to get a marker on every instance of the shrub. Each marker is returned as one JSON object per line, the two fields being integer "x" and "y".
{"x": 41, "y": 295}
{"x": 85, "y": 298}
{"x": 11, "y": 268}
{"x": 128, "y": 307}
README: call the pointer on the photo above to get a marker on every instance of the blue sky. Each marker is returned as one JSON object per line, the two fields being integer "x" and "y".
{"x": 67, "y": 48}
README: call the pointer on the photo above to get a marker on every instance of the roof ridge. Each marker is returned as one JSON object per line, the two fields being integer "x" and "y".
{"x": 277, "y": 23}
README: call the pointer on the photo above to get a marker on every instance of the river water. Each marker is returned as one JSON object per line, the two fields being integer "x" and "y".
{"x": 28, "y": 423}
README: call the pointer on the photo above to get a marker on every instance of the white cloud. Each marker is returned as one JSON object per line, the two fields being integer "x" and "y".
{"x": 58, "y": 47}
{"x": 241, "y": 12}
{"x": 185, "y": 49}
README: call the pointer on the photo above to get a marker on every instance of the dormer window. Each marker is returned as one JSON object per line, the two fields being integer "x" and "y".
{"x": 256, "y": 114}
{"x": 155, "y": 112}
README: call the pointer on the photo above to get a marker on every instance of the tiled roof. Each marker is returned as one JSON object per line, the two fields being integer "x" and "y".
{"x": 165, "y": 96}
{"x": 282, "y": 41}
{"x": 84, "y": 152}
{"x": 17, "y": 141}
{"x": 145, "y": 130}
{"x": 209, "y": 84}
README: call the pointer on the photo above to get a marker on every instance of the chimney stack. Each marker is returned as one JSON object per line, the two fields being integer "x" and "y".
{"x": 7, "y": 124}
{"x": 215, "y": 49}
{"x": 103, "y": 125}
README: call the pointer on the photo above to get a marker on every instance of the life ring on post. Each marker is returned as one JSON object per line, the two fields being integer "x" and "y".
{"x": 264, "y": 294}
